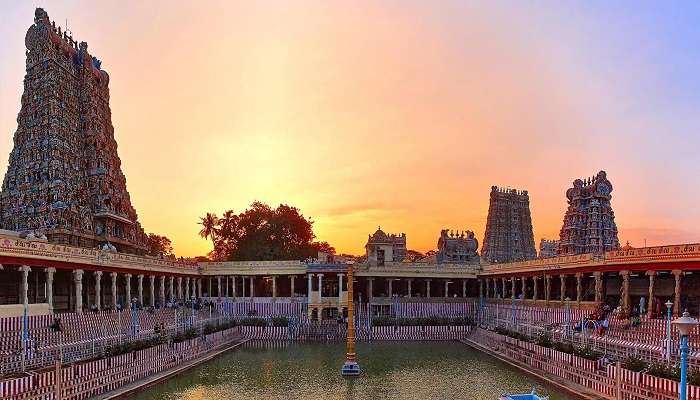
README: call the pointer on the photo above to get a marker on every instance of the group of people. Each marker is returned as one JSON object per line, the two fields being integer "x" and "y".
{"x": 599, "y": 319}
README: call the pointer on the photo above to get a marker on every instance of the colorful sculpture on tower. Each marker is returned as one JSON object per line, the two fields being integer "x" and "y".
{"x": 64, "y": 178}
{"x": 589, "y": 222}
{"x": 457, "y": 248}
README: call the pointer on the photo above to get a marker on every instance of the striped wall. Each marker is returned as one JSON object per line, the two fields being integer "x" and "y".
{"x": 82, "y": 381}
{"x": 418, "y": 333}
{"x": 586, "y": 373}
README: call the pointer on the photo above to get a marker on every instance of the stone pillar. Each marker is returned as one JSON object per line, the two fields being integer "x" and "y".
{"x": 78, "y": 280}
{"x": 243, "y": 286}
{"x": 233, "y": 289}
{"x": 179, "y": 288}
{"x": 171, "y": 289}
{"x": 291, "y": 286}
{"x": 503, "y": 288}
{"x": 320, "y": 287}
{"x": 274, "y": 286}
{"x": 310, "y": 286}
{"x": 512, "y": 287}
{"x": 114, "y": 289}
{"x": 218, "y": 286}
{"x": 187, "y": 288}
{"x": 447, "y": 288}
{"x": 340, "y": 289}
{"x": 464, "y": 288}
{"x": 251, "y": 279}
{"x": 162, "y": 291}
{"x": 98, "y": 289}
{"x": 677, "y": 274}
{"x": 625, "y": 297}
{"x": 24, "y": 294}
{"x": 535, "y": 280}
{"x": 49, "y": 287}
{"x": 579, "y": 287}
{"x": 128, "y": 291}
{"x": 547, "y": 288}
{"x": 140, "y": 289}
{"x": 410, "y": 281}
{"x": 523, "y": 286}
{"x": 199, "y": 288}
{"x": 370, "y": 288}
{"x": 598, "y": 286}
{"x": 562, "y": 288}
{"x": 152, "y": 290}
{"x": 427, "y": 288}
{"x": 391, "y": 281}
{"x": 650, "y": 303}
{"x": 226, "y": 292}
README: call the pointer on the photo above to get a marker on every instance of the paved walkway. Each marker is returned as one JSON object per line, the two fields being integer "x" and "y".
{"x": 161, "y": 376}
{"x": 572, "y": 389}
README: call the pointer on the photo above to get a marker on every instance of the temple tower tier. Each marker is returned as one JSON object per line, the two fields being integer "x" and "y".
{"x": 589, "y": 222}
{"x": 64, "y": 180}
{"x": 508, "y": 234}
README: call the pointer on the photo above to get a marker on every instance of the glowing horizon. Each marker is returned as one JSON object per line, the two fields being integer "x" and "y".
{"x": 399, "y": 114}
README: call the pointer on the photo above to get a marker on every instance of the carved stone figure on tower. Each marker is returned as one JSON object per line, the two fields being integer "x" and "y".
{"x": 64, "y": 178}
{"x": 589, "y": 222}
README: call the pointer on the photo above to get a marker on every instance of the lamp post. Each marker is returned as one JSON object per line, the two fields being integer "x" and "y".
{"x": 669, "y": 306}
{"x": 134, "y": 318}
{"x": 685, "y": 325}
{"x": 25, "y": 330}
{"x": 192, "y": 319}
{"x": 481, "y": 310}
{"x": 350, "y": 367}
{"x": 568, "y": 332}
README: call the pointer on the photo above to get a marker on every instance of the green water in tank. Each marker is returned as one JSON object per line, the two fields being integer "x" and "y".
{"x": 390, "y": 370}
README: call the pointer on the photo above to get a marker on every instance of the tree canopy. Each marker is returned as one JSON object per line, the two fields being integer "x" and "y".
{"x": 159, "y": 245}
{"x": 414, "y": 255}
{"x": 262, "y": 233}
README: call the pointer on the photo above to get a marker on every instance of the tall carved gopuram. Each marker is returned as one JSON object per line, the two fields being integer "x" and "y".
{"x": 64, "y": 178}
{"x": 508, "y": 234}
{"x": 589, "y": 222}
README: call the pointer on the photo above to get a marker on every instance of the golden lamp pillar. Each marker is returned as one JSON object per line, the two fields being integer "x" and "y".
{"x": 350, "y": 367}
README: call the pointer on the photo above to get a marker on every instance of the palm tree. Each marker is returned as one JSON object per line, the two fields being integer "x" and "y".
{"x": 209, "y": 224}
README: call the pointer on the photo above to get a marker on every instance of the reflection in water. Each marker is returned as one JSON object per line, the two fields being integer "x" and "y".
{"x": 438, "y": 370}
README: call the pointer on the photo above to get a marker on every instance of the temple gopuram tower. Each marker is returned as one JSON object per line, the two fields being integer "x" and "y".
{"x": 589, "y": 222}
{"x": 508, "y": 234}
{"x": 64, "y": 178}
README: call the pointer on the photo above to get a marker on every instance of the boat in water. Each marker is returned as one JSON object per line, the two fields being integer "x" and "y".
{"x": 527, "y": 396}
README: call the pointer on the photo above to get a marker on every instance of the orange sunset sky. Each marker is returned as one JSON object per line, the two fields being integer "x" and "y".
{"x": 400, "y": 114}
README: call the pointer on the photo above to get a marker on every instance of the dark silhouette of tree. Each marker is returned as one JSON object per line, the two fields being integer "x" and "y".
{"x": 159, "y": 246}
{"x": 324, "y": 247}
{"x": 414, "y": 255}
{"x": 209, "y": 223}
{"x": 263, "y": 233}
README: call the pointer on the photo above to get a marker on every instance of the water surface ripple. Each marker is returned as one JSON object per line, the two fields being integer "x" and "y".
{"x": 402, "y": 371}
